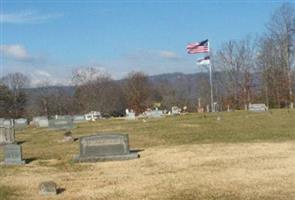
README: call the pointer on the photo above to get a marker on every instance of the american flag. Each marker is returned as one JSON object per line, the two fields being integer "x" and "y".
{"x": 198, "y": 47}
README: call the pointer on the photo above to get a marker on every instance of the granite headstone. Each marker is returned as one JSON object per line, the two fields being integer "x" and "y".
{"x": 61, "y": 124}
{"x": 104, "y": 147}
{"x": 13, "y": 155}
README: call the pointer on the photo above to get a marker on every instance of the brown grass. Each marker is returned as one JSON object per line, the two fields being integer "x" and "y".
{"x": 242, "y": 156}
{"x": 208, "y": 171}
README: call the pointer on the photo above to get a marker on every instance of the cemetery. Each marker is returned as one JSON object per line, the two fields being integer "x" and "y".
{"x": 180, "y": 157}
{"x": 147, "y": 100}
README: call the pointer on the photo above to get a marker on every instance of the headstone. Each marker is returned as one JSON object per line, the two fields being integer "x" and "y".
{"x": 61, "y": 124}
{"x": 130, "y": 116}
{"x": 157, "y": 113}
{"x": 175, "y": 110}
{"x": 79, "y": 119}
{"x": 8, "y": 123}
{"x": 48, "y": 188}
{"x": 1, "y": 121}
{"x": 13, "y": 155}
{"x": 154, "y": 113}
{"x": 62, "y": 117}
{"x": 20, "y": 123}
{"x": 7, "y": 135}
{"x": 259, "y": 107}
{"x": 40, "y": 122}
{"x": 93, "y": 115}
{"x": 105, "y": 147}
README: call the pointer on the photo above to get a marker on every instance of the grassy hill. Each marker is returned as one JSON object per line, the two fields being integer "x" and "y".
{"x": 237, "y": 155}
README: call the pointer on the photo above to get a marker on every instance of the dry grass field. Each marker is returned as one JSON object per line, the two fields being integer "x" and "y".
{"x": 195, "y": 156}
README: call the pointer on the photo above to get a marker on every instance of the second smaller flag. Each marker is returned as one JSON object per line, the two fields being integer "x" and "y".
{"x": 204, "y": 61}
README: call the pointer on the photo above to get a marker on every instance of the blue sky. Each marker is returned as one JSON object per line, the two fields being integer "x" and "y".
{"x": 49, "y": 39}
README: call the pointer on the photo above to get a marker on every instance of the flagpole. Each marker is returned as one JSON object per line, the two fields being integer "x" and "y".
{"x": 211, "y": 87}
{"x": 190, "y": 49}
{"x": 211, "y": 82}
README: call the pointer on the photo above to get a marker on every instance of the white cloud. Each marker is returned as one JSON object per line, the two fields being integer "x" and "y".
{"x": 42, "y": 78}
{"x": 168, "y": 54}
{"x": 42, "y": 73}
{"x": 29, "y": 17}
{"x": 15, "y": 52}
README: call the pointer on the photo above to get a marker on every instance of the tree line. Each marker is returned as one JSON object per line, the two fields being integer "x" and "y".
{"x": 253, "y": 69}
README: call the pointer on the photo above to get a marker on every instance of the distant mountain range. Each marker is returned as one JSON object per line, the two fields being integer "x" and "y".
{"x": 188, "y": 85}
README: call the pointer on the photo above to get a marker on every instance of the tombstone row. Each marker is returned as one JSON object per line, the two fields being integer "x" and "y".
{"x": 94, "y": 148}
{"x": 20, "y": 123}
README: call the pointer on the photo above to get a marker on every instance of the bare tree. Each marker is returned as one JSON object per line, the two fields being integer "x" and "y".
{"x": 5, "y": 100}
{"x": 137, "y": 91}
{"x": 97, "y": 91}
{"x": 282, "y": 30}
{"x": 17, "y": 83}
{"x": 237, "y": 60}
{"x": 276, "y": 56}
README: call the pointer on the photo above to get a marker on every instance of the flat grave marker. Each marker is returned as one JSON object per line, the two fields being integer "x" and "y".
{"x": 48, "y": 188}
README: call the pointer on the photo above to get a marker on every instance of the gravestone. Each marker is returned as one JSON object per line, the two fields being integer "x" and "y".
{"x": 2, "y": 122}
{"x": 130, "y": 116}
{"x": 48, "y": 188}
{"x": 13, "y": 155}
{"x": 8, "y": 123}
{"x": 105, "y": 147}
{"x": 259, "y": 107}
{"x": 61, "y": 124}
{"x": 175, "y": 110}
{"x": 62, "y": 117}
{"x": 93, "y": 116}
{"x": 79, "y": 119}
{"x": 7, "y": 135}
{"x": 154, "y": 113}
{"x": 40, "y": 122}
{"x": 20, "y": 124}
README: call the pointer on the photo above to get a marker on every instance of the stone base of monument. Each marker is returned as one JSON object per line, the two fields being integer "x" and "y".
{"x": 22, "y": 162}
{"x": 106, "y": 158}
